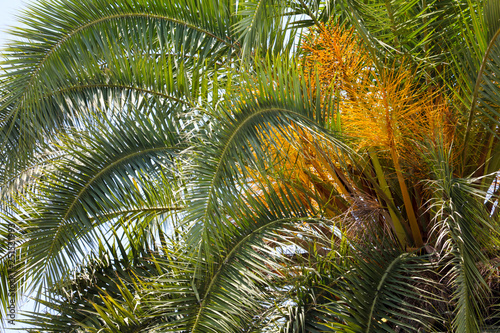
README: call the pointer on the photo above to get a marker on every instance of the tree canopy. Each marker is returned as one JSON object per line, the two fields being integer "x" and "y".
{"x": 252, "y": 166}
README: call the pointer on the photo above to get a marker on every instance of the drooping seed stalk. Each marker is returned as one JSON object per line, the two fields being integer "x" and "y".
{"x": 415, "y": 231}
{"x": 398, "y": 227}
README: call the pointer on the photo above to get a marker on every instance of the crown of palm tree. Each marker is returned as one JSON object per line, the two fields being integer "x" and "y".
{"x": 252, "y": 166}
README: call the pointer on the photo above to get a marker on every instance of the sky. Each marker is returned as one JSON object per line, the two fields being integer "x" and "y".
{"x": 8, "y": 11}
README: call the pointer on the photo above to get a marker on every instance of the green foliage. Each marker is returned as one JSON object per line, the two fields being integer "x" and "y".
{"x": 184, "y": 166}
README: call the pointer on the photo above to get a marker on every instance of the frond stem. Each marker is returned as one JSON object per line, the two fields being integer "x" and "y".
{"x": 230, "y": 139}
{"x": 118, "y": 86}
{"x": 228, "y": 257}
{"x": 379, "y": 287}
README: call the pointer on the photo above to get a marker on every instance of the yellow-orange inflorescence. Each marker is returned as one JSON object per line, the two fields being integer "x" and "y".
{"x": 297, "y": 169}
{"x": 384, "y": 108}
{"x": 335, "y": 56}
{"x": 386, "y": 111}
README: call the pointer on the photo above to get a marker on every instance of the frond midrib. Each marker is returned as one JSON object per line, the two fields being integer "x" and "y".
{"x": 379, "y": 288}
{"x": 229, "y": 256}
{"x": 228, "y": 143}
{"x": 118, "y": 86}
{"x": 92, "y": 180}
{"x": 475, "y": 94}
{"x": 72, "y": 33}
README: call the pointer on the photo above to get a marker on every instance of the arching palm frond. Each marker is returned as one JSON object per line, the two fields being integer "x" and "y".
{"x": 97, "y": 181}
{"x": 413, "y": 30}
{"x": 383, "y": 290}
{"x": 465, "y": 233}
{"x": 108, "y": 279}
{"x": 211, "y": 166}
{"x": 474, "y": 61}
{"x": 84, "y": 51}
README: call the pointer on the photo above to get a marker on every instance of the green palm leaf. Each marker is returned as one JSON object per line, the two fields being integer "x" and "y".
{"x": 69, "y": 44}
{"x": 382, "y": 290}
{"x": 91, "y": 186}
{"x": 463, "y": 230}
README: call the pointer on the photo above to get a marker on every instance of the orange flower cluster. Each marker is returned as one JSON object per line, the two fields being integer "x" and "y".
{"x": 384, "y": 107}
{"x": 335, "y": 56}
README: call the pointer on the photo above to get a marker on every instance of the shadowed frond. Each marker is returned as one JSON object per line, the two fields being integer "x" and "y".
{"x": 463, "y": 231}
{"x": 384, "y": 289}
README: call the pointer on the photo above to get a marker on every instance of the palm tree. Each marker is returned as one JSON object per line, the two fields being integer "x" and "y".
{"x": 257, "y": 166}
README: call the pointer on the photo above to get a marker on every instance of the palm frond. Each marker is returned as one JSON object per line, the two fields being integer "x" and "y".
{"x": 89, "y": 49}
{"x": 463, "y": 230}
{"x": 110, "y": 280}
{"x": 382, "y": 290}
{"x": 91, "y": 186}
{"x": 404, "y": 29}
